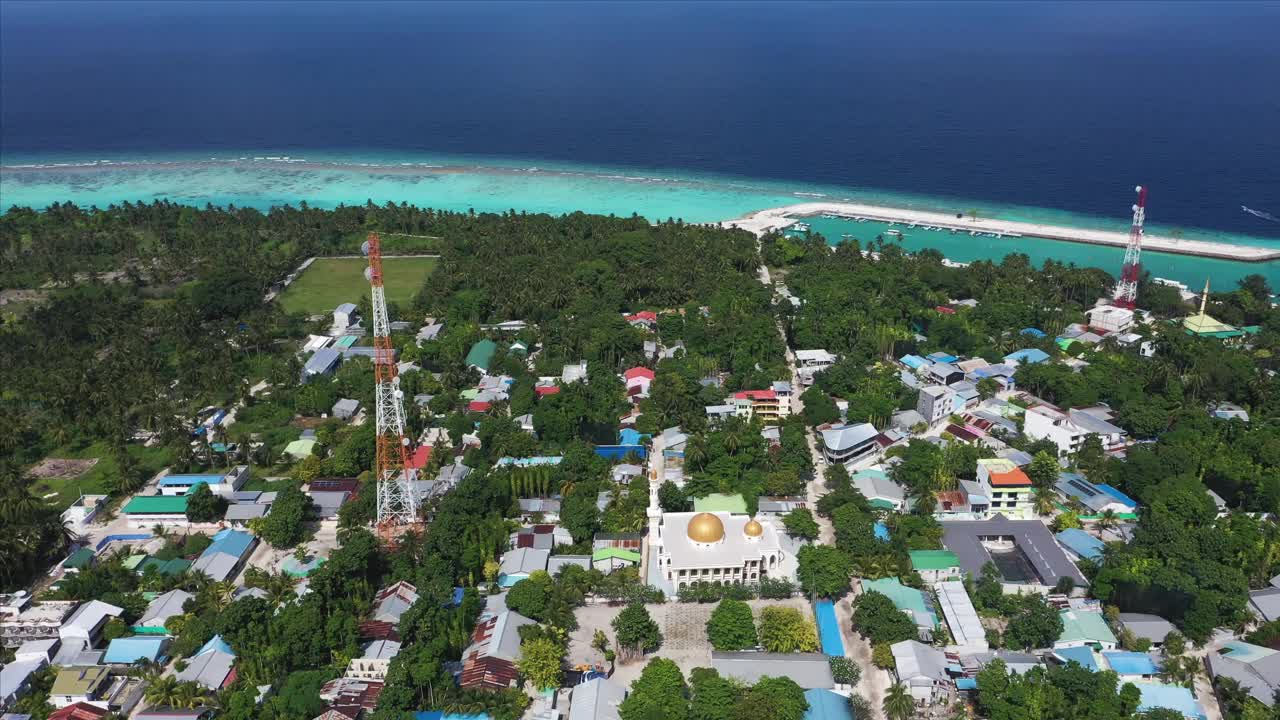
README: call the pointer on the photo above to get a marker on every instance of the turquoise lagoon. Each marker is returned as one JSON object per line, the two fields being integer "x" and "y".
{"x": 263, "y": 179}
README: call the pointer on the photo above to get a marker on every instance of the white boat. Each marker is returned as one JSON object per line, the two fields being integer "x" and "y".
{"x": 972, "y": 233}
{"x": 897, "y": 233}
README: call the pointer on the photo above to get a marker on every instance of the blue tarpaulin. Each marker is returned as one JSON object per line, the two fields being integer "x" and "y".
{"x": 828, "y": 628}
{"x": 617, "y": 452}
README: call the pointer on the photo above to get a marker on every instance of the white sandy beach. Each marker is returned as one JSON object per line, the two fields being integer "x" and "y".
{"x": 765, "y": 221}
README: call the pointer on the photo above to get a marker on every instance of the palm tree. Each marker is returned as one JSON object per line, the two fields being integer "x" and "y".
{"x": 1043, "y": 501}
{"x": 164, "y": 691}
{"x": 191, "y": 695}
{"x": 1107, "y": 520}
{"x": 898, "y": 704}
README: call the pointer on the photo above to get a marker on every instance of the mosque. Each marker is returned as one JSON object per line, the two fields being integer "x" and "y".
{"x": 718, "y": 547}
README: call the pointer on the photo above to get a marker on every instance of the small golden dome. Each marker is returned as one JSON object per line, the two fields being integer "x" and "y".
{"x": 705, "y": 528}
{"x": 753, "y": 528}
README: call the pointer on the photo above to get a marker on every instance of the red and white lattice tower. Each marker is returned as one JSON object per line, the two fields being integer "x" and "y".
{"x": 396, "y": 504}
{"x": 1127, "y": 289}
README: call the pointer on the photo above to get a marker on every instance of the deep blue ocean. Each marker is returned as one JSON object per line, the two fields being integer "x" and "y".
{"x": 1064, "y": 105}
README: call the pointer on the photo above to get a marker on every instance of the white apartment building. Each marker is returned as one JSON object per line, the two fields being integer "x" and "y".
{"x": 1069, "y": 429}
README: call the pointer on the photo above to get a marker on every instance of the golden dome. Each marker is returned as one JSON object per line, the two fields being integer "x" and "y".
{"x": 753, "y": 528}
{"x": 705, "y": 528}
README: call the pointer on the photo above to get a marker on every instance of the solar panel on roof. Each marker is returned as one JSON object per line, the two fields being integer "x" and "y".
{"x": 1085, "y": 489}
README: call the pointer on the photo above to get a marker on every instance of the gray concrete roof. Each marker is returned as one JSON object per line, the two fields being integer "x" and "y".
{"x": 808, "y": 670}
{"x": 164, "y": 607}
{"x": 1142, "y": 625}
{"x": 963, "y": 537}
{"x": 1265, "y": 603}
{"x": 1260, "y": 677}
{"x": 596, "y": 699}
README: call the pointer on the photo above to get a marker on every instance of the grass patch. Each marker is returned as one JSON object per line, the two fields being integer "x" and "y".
{"x": 329, "y": 282}
{"x": 97, "y": 479}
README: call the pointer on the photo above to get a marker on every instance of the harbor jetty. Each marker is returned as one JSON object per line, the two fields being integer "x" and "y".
{"x": 765, "y": 221}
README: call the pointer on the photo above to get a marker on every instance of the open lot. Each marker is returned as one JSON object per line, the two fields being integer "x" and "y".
{"x": 56, "y": 481}
{"x": 329, "y": 282}
{"x": 684, "y": 633}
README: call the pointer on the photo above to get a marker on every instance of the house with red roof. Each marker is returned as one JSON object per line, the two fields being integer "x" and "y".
{"x": 479, "y": 406}
{"x": 1008, "y": 488}
{"x": 645, "y": 319}
{"x": 79, "y": 711}
{"x": 638, "y": 380}
{"x": 420, "y": 457}
{"x": 545, "y": 390}
{"x": 765, "y": 404}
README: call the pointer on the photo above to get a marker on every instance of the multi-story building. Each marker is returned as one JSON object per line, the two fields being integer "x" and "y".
{"x": 850, "y": 443}
{"x": 22, "y": 621}
{"x": 935, "y": 403}
{"x": 1110, "y": 318}
{"x": 1008, "y": 488}
{"x": 1068, "y": 430}
{"x": 764, "y": 404}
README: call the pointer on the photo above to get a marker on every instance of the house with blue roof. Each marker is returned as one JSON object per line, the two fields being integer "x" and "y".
{"x": 1026, "y": 356}
{"x": 941, "y": 357}
{"x": 219, "y": 483}
{"x": 826, "y": 705}
{"x": 1080, "y": 655}
{"x": 1096, "y": 499}
{"x": 1080, "y": 544}
{"x": 1173, "y": 697}
{"x": 442, "y": 715}
{"x": 227, "y": 555}
{"x": 1033, "y": 332}
{"x": 913, "y": 362}
{"x": 129, "y": 650}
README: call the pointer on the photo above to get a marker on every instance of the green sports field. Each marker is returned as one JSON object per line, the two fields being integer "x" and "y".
{"x": 329, "y": 282}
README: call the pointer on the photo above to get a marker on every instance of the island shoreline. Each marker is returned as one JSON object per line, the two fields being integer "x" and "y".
{"x": 762, "y": 222}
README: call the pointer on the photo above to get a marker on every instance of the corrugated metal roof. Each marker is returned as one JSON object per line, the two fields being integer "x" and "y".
{"x": 156, "y": 505}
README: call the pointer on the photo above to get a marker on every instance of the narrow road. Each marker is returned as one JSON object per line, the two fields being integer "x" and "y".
{"x": 874, "y": 682}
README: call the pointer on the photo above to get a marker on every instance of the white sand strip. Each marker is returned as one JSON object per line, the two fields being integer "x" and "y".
{"x": 764, "y": 221}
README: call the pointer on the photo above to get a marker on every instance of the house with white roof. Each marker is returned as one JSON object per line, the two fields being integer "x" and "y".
{"x": 162, "y": 608}
{"x": 1068, "y": 430}
{"x": 374, "y": 661}
{"x": 923, "y": 669}
{"x": 86, "y": 623}
{"x": 1109, "y": 318}
{"x": 849, "y": 443}
{"x": 344, "y": 316}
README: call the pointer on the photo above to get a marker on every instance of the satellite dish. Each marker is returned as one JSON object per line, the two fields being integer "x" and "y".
{"x": 399, "y": 394}
{"x": 364, "y": 248}
{"x": 368, "y": 274}
{"x": 404, "y": 441}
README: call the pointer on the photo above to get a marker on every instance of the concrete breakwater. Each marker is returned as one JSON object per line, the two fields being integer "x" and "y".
{"x": 772, "y": 219}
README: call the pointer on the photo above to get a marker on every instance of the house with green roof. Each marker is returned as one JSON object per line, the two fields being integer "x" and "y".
{"x": 909, "y": 600}
{"x": 721, "y": 502}
{"x": 146, "y": 511}
{"x": 300, "y": 449}
{"x": 935, "y": 565}
{"x": 613, "y": 558}
{"x": 481, "y": 354}
{"x": 86, "y": 684}
{"x": 78, "y": 560}
{"x": 1081, "y": 628}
